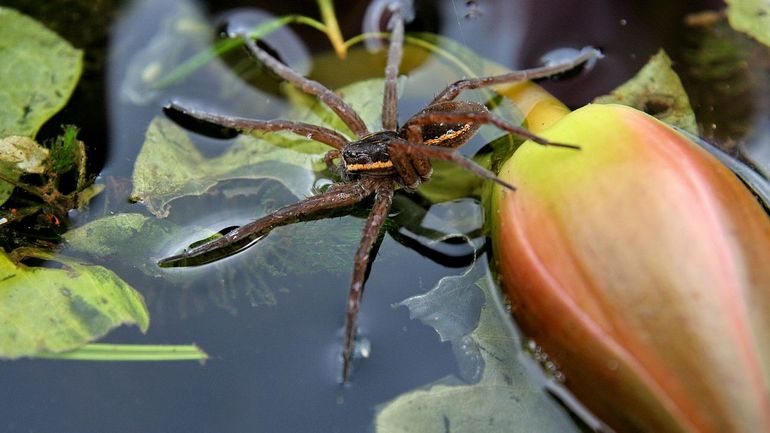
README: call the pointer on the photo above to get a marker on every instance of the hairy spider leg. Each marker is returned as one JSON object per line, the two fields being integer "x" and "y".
{"x": 421, "y": 164}
{"x": 329, "y": 158}
{"x": 338, "y": 195}
{"x": 483, "y": 117}
{"x": 395, "y": 52}
{"x": 375, "y": 221}
{"x": 455, "y": 88}
{"x": 331, "y": 99}
{"x": 384, "y": 193}
{"x": 447, "y": 154}
{"x": 241, "y": 124}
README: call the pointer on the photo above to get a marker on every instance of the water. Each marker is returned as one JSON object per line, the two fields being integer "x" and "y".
{"x": 274, "y": 355}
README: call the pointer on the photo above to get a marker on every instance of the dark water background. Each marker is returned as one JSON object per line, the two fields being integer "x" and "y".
{"x": 274, "y": 365}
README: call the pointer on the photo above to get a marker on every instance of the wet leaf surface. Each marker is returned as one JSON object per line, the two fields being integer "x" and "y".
{"x": 62, "y": 306}
{"x": 38, "y": 72}
{"x": 169, "y": 166}
{"x": 497, "y": 393}
{"x": 656, "y": 90}
{"x": 19, "y": 155}
{"x": 305, "y": 248}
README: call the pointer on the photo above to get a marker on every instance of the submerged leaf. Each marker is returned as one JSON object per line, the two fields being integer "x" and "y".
{"x": 752, "y": 17}
{"x": 62, "y": 307}
{"x": 38, "y": 72}
{"x": 726, "y": 75}
{"x": 656, "y": 90}
{"x": 466, "y": 311}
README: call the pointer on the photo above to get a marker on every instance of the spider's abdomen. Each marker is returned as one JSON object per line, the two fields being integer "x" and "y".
{"x": 447, "y": 134}
{"x": 369, "y": 155}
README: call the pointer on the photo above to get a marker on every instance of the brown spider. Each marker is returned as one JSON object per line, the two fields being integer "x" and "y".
{"x": 375, "y": 163}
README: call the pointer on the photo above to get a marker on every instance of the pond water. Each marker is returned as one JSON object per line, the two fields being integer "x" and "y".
{"x": 270, "y": 317}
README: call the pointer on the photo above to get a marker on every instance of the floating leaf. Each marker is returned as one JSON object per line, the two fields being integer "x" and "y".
{"x": 18, "y": 155}
{"x": 169, "y": 166}
{"x": 61, "y": 308}
{"x": 296, "y": 249}
{"x": 38, "y": 74}
{"x": 505, "y": 397}
{"x": 22, "y": 154}
{"x": 656, "y": 90}
{"x": 752, "y": 17}
{"x": 108, "y": 237}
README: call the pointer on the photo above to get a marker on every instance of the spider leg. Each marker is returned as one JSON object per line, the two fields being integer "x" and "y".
{"x": 331, "y": 99}
{"x": 395, "y": 52}
{"x": 448, "y": 154}
{"x": 421, "y": 165}
{"x": 313, "y": 132}
{"x": 329, "y": 161}
{"x": 339, "y": 195}
{"x": 454, "y": 89}
{"x": 372, "y": 228}
{"x": 483, "y": 117}
{"x": 409, "y": 177}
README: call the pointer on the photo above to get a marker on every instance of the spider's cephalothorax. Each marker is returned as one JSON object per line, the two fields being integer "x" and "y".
{"x": 372, "y": 164}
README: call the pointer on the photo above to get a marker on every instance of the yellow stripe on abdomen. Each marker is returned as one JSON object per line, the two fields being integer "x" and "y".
{"x": 369, "y": 166}
{"x": 449, "y": 135}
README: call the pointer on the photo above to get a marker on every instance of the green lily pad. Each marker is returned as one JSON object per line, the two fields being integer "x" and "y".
{"x": 502, "y": 395}
{"x": 108, "y": 237}
{"x": 295, "y": 249}
{"x": 656, "y": 90}
{"x": 169, "y": 166}
{"x": 61, "y": 307}
{"x": 38, "y": 73}
{"x": 751, "y": 17}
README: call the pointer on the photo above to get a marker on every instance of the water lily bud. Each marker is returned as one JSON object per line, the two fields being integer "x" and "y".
{"x": 642, "y": 266}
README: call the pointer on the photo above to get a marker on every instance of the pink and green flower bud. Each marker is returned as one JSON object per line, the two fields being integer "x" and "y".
{"x": 642, "y": 266}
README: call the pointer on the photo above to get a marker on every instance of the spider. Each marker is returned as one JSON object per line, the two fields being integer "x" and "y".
{"x": 374, "y": 163}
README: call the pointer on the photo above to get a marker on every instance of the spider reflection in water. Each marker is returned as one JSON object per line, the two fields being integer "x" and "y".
{"x": 375, "y": 163}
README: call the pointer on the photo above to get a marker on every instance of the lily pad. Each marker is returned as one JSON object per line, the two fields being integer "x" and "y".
{"x": 503, "y": 395}
{"x": 293, "y": 249}
{"x": 656, "y": 90}
{"x": 110, "y": 236}
{"x": 38, "y": 73}
{"x": 62, "y": 306}
{"x": 751, "y": 17}
{"x": 169, "y": 166}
